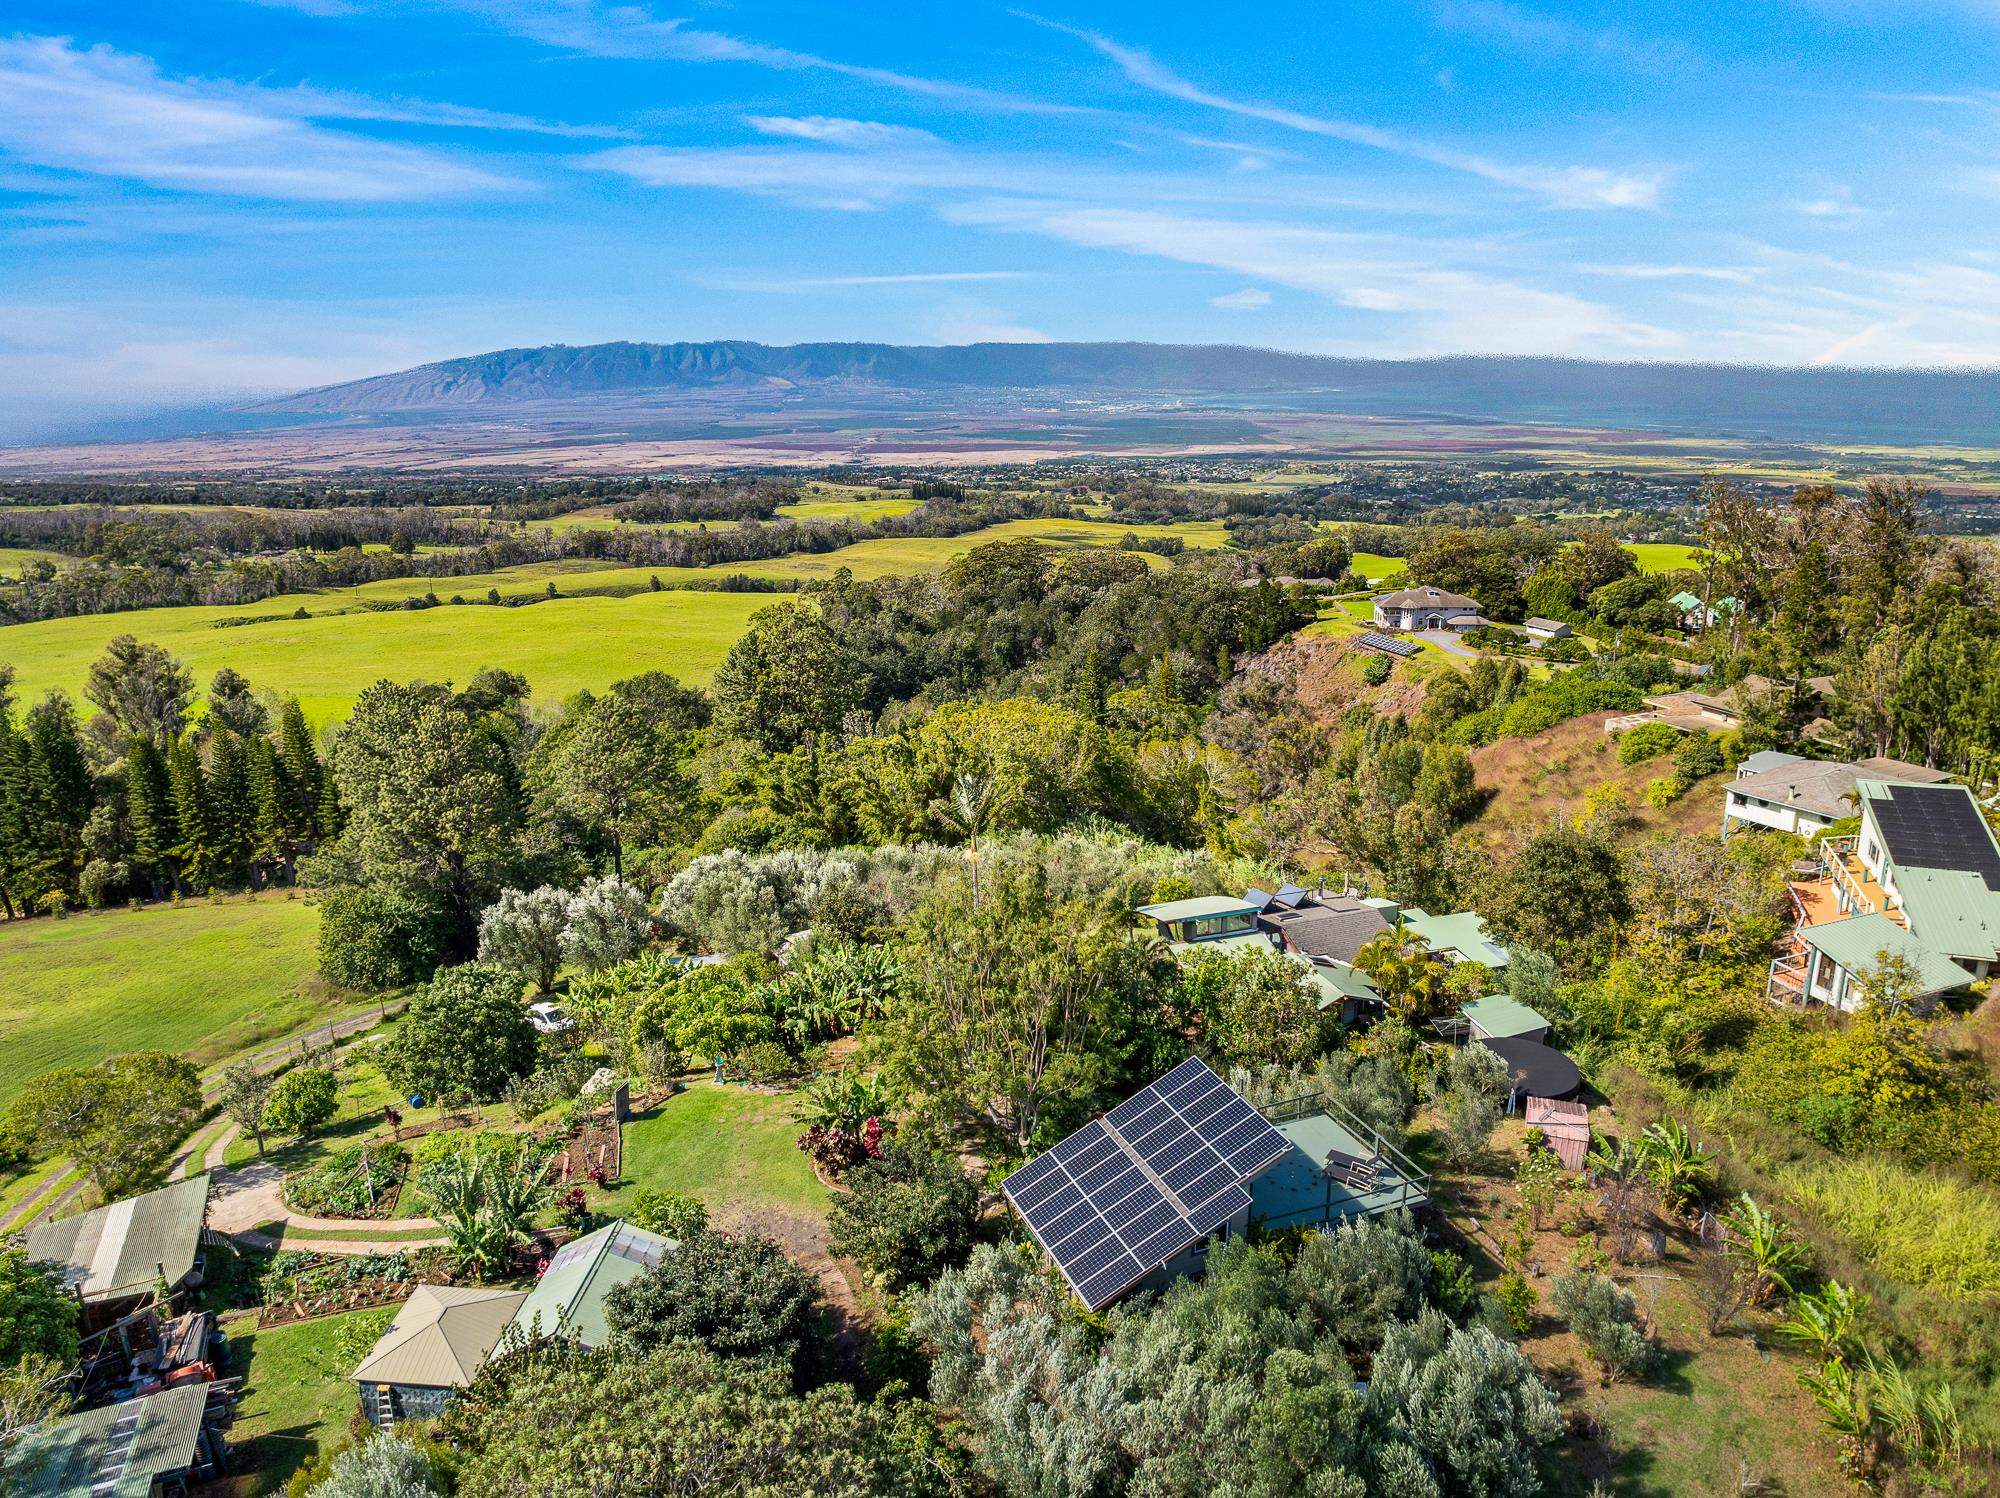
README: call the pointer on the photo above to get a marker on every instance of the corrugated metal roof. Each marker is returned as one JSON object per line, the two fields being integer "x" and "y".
{"x": 570, "y": 1294}
{"x": 122, "y": 1248}
{"x": 113, "y": 1452}
{"x": 1503, "y": 1016}
{"x": 1953, "y": 911}
{"x": 1858, "y": 942}
{"x": 1196, "y": 907}
{"x": 440, "y": 1337}
{"x": 1463, "y": 932}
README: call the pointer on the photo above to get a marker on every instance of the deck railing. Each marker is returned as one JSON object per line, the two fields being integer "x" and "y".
{"x": 1413, "y": 1182}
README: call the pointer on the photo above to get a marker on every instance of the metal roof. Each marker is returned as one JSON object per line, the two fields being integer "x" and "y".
{"x": 1766, "y": 759}
{"x": 1426, "y": 597}
{"x": 1857, "y": 943}
{"x": 440, "y": 1337}
{"x": 570, "y": 1294}
{"x": 113, "y": 1452}
{"x": 1196, "y": 907}
{"x": 1462, "y": 931}
{"x": 1502, "y": 1016}
{"x": 1934, "y": 827}
{"x": 122, "y": 1248}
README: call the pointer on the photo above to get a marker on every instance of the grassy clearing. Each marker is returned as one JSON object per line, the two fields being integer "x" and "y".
{"x": 297, "y": 1397}
{"x": 207, "y": 980}
{"x": 1929, "y": 1231}
{"x": 1376, "y": 567}
{"x": 1661, "y": 556}
{"x": 16, "y": 559}
{"x": 725, "y": 1145}
{"x": 560, "y": 646}
{"x": 835, "y": 507}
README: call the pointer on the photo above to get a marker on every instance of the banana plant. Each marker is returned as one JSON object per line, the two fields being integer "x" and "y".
{"x": 1682, "y": 1167}
{"x": 1766, "y": 1243}
{"x": 1828, "y": 1321}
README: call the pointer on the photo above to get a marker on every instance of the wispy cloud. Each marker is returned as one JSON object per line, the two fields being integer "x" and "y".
{"x": 595, "y": 28}
{"x": 1835, "y": 202}
{"x": 1249, "y": 299}
{"x": 830, "y": 131}
{"x": 1547, "y": 37}
{"x": 1740, "y": 275}
{"x": 1562, "y": 186}
{"x": 785, "y": 284}
{"x": 114, "y": 114}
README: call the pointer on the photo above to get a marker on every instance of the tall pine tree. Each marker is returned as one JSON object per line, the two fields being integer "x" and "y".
{"x": 196, "y": 849}
{"x": 149, "y": 804}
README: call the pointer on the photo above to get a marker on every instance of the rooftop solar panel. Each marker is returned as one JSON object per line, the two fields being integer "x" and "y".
{"x": 1156, "y": 1174}
{"x": 1937, "y": 827}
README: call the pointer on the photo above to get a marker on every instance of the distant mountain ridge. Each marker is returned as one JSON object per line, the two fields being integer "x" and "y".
{"x": 1860, "y": 404}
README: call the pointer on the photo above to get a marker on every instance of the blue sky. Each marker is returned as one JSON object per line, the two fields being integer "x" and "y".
{"x": 224, "y": 196}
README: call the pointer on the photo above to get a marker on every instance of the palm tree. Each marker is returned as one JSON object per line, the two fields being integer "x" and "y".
{"x": 975, "y": 804}
{"x": 1402, "y": 969}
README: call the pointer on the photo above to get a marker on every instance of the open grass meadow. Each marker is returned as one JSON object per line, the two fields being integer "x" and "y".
{"x": 206, "y": 980}
{"x": 725, "y": 1145}
{"x": 1661, "y": 556}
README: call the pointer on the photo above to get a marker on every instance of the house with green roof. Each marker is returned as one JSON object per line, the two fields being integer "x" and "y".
{"x": 1919, "y": 884}
{"x": 569, "y": 1296}
{"x": 1501, "y": 1017}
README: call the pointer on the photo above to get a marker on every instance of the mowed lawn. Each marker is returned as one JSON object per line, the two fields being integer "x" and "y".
{"x": 206, "y": 980}
{"x": 298, "y": 1399}
{"x": 725, "y": 1145}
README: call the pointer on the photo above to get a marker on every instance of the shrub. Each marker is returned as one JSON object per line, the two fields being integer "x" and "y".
{"x": 1663, "y": 792}
{"x": 671, "y": 1214}
{"x": 741, "y": 1297}
{"x": 1606, "y": 1320}
{"x": 1699, "y": 754}
{"x": 1516, "y": 1298}
{"x": 766, "y": 1063}
{"x": 1647, "y": 741}
{"x": 1376, "y": 669}
{"x": 1926, "y": 1230}
{"x": 907, "y": 1215}
{"x": 304, "y": 1100}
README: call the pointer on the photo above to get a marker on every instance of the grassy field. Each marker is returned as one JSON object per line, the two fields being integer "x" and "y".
{"x": 726, "y": 1145}
{"x": 207, "y": 980}
{"x": 297, "y": 1397}
{"x": 1661, "y": 556}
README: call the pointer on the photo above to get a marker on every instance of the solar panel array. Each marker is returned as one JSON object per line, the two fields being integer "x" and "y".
{"x": 1389, "y": 644}
{"x": 1161, "y": 1171}
{"x": 1938, "y": 827}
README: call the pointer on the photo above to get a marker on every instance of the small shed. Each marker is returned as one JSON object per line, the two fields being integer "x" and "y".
{"x": 440, "y": 1339}
{"x": 1498, "y": 1017}
{"x": 569, "y": 1297}
{"x": 119, "y": 1252}
{"x": 1546, "y": 629}
{"x": 160, "y": 1446}
{"x": 1565, "y": 1125}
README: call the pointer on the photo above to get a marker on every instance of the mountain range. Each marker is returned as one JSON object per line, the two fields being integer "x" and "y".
{"x": 1902, "y": 406}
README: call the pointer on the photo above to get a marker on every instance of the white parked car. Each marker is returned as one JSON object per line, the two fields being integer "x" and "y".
{"x": 549, "y": 1019}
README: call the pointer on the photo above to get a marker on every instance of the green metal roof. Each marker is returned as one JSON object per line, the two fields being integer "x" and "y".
{"x": 1684, "y": 601}
{"x": 1463, "y": 932}
{"x": 1952, "y": 910}
{"x": 122, "y": 1248}
{"x": 1858, "y": 942}
{"x": 1503, "y": 1017}
{"x": 112, "y": 1452}
{"x": 570, "y": 1294}
{"x": 1246, "y": 941}
{"x": 1196, "y": 907}
{"x": 1336, "y": 982}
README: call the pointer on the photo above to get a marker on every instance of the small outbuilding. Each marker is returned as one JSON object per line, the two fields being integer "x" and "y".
{"x": 118, "y": 1254}
{"x": 440, "y": 1339}
{"x": 161, "y": 1446}
{"x": 1546, "y": 629}
{"x": 1538, "y": 1070}
{"x": 1499, "y": 1017}
{"x": 569, "y": 1297}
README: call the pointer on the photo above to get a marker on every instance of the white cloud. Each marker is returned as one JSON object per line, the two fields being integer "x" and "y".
{"x": 978, "y": 327}
{"x": 825, "y": 130}
{"x": 1442, "y": 309}
{"x": 1541, "y": 35}
{"x": 1834, "y": 202}
{"x": 114, "y": 114}
{"x": 1739, "y": 274}
{"x": 1249, "y": 299}
{"x": 1561, "y": 186}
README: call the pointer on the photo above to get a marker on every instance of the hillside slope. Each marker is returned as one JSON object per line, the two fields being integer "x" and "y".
{"x": 1553, "y": 773}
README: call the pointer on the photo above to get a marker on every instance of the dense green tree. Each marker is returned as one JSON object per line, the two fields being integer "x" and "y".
{"x": 233, "y": 709}
{"x": 1255, "y": 1008}
{"x": 139, "y": 691}
{"x": 428, "y": 786}
{"x": 118, "y": 1120}
{"x": 557, "y": 1422}
{"x": 740, "y": 1297}
{"x": 197, "y": 852}
{"x": 466, "y": 1034}
{"x": 1561, "y": 892}
{"x": 524, "y": 930}
{"x": 245, "y": 1094}
{"x": 303, "y": 1102}
{"x": 39, "y": 1317}
{"x": 232, "y": 810}
{"x": 612, "y": 769}
{"x": 788, "y": 676}
{"x": 370, "y": 941}
{"x": 907, "y": 1214}
{"x": 149, "y": 802}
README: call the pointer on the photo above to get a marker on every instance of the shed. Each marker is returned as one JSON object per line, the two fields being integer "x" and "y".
{"x": 1539, "y": 628}
{"x": 122, "y": 1250}
{"x": 1499, "y": 1017}
{"x": 569, "y": 1297}
{"x": 1566, "y": 1127}
{"x": 143, "y": 1448}
{"x": 441, "y": 1337}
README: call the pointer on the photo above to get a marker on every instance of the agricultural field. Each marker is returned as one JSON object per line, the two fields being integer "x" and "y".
{"x": 14, "y": 560}
{"x": 91, "y": 985}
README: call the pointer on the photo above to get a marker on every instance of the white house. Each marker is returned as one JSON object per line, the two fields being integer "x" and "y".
{"x": 1428, "y": 608}
{"x": 1546, "y": 629}
{"x": 1806, "y": 796}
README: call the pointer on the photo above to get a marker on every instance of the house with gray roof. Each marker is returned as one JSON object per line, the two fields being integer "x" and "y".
{"x": 1806, "y": 796}
{"x": 1919, "y": 884}
{"x": 1428, "y": 608}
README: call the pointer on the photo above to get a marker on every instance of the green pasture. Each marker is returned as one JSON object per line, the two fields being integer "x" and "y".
{"x": 15, "y": 559}
{"x": 298, "y": 1396}
{"x": 1662, "y": 556}
{"x": 206, "y": 979}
